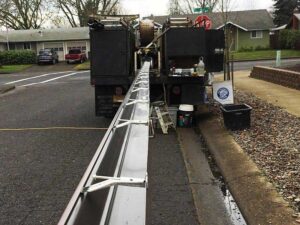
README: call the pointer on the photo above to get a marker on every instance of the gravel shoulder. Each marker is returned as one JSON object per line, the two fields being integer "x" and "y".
{"x": 273, "y": 143}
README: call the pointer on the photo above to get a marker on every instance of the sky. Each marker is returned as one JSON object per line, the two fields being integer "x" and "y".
{"x": 160, "y": 7}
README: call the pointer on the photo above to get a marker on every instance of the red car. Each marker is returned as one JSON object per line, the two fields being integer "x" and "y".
{"x": 75, "y": 55}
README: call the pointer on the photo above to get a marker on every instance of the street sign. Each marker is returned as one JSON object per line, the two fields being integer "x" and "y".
{"x": 203, "y": 21}
{"x": 201, "y": 10}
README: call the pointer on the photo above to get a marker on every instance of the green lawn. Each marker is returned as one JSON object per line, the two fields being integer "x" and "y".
{"x": 13, "y": 68}
{"x": 264, "y": 54}
{"x": 84, "y": 66}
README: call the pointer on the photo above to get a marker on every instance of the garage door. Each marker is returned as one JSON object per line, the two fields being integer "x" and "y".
{"x": 76, "y": 45}
{"x": 58, "y": 47}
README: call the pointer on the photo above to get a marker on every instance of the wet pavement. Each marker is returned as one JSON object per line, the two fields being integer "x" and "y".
{"x": 169, "y": 196}
{"x": 214, "y": 203}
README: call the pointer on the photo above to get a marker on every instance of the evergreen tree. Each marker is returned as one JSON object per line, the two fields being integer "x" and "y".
{"x": 284, "y": 10}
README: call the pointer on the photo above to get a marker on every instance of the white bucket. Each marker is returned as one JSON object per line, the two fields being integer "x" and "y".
{"x": 186, "y": 108}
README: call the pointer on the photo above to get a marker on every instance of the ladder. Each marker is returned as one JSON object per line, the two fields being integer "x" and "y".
{"x": 162, "y": 115}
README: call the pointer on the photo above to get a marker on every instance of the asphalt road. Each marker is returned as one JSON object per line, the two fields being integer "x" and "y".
{"x": 169, "y": 196}
{"x": 45, "y": 147}
{"x": 40, "y": 169}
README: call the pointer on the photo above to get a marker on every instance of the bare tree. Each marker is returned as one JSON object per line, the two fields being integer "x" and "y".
{"x": 192, "y": 4}
{"x": 174, "y": 7}
{"x": 188, "y": 6}
{"x": 22, "y": 14}
{"x": 224, "y": 7}
{"x": 77, "y": 12}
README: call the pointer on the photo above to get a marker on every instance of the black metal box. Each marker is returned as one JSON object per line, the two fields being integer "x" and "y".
{"x": 111, "y": 52}
{"x": 185, "y": 42}
{"x": 237, "y": 117}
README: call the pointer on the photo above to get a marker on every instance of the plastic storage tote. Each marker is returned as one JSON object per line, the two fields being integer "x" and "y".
{"x": 237, "y": 117}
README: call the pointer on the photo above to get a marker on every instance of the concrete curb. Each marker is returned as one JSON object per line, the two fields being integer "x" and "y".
{"x": 257, "y": 199}
{"x": 6, "y": 88}
{"x": 208, "y": 199}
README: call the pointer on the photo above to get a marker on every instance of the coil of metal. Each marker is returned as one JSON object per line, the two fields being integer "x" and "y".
{"x": 146, "y": 32}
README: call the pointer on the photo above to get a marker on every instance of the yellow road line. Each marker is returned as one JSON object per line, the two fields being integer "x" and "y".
{"x": 52, "y": 128}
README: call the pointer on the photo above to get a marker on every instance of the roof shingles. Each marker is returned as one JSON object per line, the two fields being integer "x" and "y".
{"x": 249, "y": 20}
{"x": 41, "y": 35}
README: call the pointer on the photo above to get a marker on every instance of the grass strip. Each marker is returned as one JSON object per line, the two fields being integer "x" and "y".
{"x": 13, "y": 68}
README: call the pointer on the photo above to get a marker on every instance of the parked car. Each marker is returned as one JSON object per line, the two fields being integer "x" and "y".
{"x": 47, "y": 56}
{"x": 75, "y": 55}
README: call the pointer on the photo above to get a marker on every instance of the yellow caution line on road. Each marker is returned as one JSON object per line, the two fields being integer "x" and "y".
{"x": 52, "y": 128}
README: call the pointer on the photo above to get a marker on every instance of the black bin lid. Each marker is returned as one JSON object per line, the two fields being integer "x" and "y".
{"x": 236, "y": 108}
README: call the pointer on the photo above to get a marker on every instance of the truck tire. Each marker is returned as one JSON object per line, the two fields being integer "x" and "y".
{"x": 104, "y": 106}
{"x": 104, "y": 101}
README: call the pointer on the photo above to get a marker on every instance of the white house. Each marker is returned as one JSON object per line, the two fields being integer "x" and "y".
{"x": 60, "y": 39}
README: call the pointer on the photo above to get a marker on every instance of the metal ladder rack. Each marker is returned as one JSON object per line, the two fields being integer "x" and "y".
{"x": 113, "y": 188}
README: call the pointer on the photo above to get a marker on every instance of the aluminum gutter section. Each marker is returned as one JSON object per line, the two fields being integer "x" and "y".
{"x": 122, "y": 156}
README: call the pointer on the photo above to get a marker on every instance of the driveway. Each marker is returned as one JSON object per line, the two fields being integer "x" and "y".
{"x": 61, "y": 66}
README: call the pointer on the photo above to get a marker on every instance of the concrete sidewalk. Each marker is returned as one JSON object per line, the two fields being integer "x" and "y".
{"x": 286, "y": 98}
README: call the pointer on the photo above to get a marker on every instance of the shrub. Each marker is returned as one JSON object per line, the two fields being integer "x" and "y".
{"x": 15, "y": 57}
{"x": 262, "y": 48}
{"x": 289, "y": 39}
{"x": 246, "y": 49}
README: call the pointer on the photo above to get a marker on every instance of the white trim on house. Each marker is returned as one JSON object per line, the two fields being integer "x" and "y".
{"x": 297, "y": 15}
{"x": 229, "y": 22}
{"x": 279, "y": 28}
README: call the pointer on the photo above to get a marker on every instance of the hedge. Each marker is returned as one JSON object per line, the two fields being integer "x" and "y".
{"x": 15, "y": 57}
{"x": 289, "y": 39}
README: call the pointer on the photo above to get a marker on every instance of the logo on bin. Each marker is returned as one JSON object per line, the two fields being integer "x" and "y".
{"x": 223, "y": 93}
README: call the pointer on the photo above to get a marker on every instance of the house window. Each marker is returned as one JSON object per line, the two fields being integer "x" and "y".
{"x": 27, "y": 46}
{"x": 256, "y": 34}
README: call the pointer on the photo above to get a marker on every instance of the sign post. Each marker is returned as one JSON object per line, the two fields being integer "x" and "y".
{"x": 278, "y": 58}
